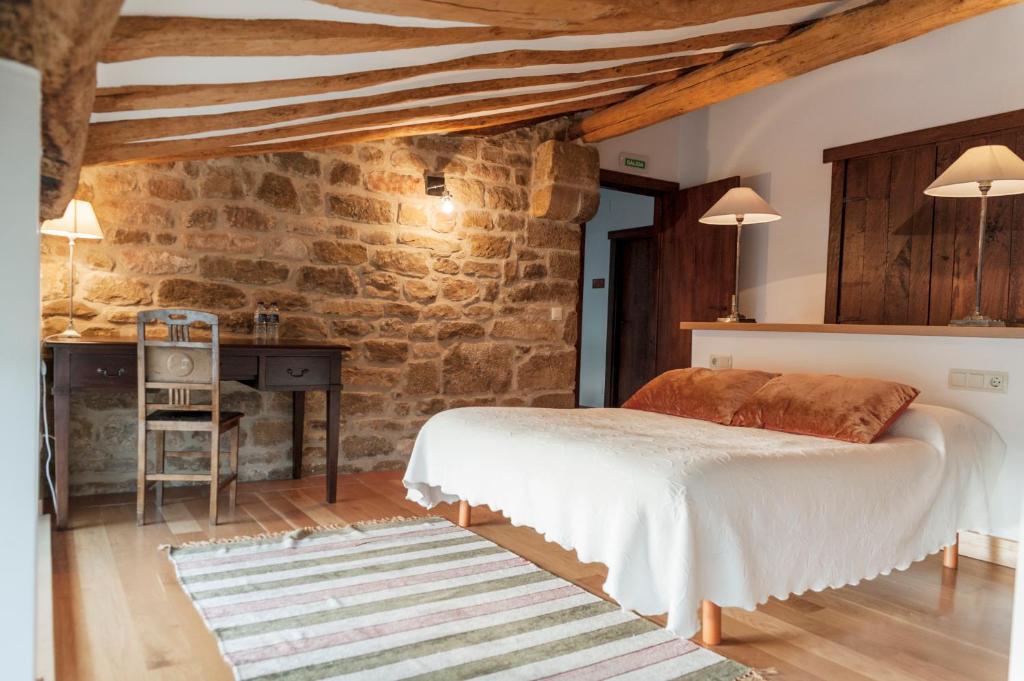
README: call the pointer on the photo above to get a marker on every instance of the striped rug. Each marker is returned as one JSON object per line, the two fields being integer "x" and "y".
{"x": 419, "y": 599}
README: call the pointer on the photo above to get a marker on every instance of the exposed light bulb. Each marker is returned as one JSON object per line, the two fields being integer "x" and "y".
{"x": 447, "y": 204}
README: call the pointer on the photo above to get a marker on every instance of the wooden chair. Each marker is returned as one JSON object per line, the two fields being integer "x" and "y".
{"x": 178, "y": 367}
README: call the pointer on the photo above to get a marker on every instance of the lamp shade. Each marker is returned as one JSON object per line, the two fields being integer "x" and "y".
{"x": 78, "y": 222}
{"x": 993, "y": 163}
{"x": 740, "y": 201}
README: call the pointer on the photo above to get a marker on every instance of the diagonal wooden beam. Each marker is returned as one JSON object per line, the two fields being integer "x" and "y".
{"x": 68, "y": 36}
{"x": 139, "y": 97}
{"x": 131, "y": 130}
{"x": 832, "y": 39}
{"x": 96, "y": 153}
{"x": 429, "y": 128}
{"x": 142, "y": 37}
{"x": 578, "y": 16}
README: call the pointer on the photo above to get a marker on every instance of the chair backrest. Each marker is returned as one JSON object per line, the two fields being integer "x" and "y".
{"x": 177, "y": 364}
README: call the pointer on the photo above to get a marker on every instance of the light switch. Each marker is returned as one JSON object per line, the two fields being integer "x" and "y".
{"x": 721, "y": 361}
{"x": 556, "y": 314}
{"x": 977, "y": 379}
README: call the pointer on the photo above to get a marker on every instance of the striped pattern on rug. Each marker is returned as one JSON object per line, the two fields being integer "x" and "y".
{"x": 419, "y": 599}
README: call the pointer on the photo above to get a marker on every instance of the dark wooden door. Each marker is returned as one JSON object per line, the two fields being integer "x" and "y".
{"x": 697, "y": 270}
{"x": 632, "y": 313}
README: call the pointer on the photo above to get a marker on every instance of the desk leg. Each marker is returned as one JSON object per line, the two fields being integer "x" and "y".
{"x": 298, "y": 428}
{"x": 61, "y": 445}
{"x": 333, "y": 435}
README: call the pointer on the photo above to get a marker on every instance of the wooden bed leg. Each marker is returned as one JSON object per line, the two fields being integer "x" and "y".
{"x": 465, "y": 514}
{"x": 711, "y": 623}
{"x": 951, "y": 554}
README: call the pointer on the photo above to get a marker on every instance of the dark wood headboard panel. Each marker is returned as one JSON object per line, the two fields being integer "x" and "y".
{"x": 896, "y": 256}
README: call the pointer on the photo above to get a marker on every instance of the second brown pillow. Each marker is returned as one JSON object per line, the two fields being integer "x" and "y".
{"x": 824, "y": 405}
{"x": 711, "y": 395}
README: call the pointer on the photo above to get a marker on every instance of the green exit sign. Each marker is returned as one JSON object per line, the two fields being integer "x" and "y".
{"x": 633, "y": 162}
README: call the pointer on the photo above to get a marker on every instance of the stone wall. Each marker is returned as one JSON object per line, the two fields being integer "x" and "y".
{"x": 440, "y": 310}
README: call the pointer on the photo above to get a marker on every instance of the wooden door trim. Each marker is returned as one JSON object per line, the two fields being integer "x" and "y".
{"x": 918, "y": 138}
{"x": 636, "y": 184}
{"x": 633, "y": 233}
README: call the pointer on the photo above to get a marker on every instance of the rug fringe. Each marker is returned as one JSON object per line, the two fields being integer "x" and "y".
{"x": 294, "y": 533}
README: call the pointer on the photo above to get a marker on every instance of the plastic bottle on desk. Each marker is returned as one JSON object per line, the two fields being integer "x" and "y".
{"x": 259, "y": 321}
{"x": 273, "y": 321}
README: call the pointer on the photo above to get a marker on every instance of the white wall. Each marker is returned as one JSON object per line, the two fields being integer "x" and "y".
{"x": 774, "y": 138}
{"x": 618, "y": 210}
{"x": 921, "y": 361}
{"x": 20, "y": 151}
{"x": 663, "y": 144}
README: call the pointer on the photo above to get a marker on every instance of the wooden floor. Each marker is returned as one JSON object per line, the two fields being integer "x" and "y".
{"x": 120, "y": 615}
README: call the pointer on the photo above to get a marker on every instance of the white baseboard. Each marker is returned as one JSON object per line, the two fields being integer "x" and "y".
{"x": 45, "y": 667}
{"x": 989, "y": 549}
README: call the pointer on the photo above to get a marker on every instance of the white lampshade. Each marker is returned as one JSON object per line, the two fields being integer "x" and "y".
{"x": 993, "y": 163}
{"x": 78, "y": 222}
{"x": 740, "y": 201}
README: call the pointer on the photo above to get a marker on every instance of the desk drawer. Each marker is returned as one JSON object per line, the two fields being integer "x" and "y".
{"x": 238, "y": 367}
{"x": 103, "y": 371}
{"x": 296, "y": 371}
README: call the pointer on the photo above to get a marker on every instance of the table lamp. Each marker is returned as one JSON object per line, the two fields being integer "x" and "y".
{"x": 78, "y": 222}
{"x": 990, "y": 170}
{"x": 740, "y": 206}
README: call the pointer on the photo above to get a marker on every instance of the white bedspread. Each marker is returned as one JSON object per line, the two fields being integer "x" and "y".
{"x": 681, "y": 510}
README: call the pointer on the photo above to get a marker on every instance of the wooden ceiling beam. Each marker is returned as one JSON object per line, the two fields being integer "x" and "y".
{"x": 143, "y": 37}
{"x": 141, "y": 97}
{"x": 327, "y": 142}
{"x": 577, "y": 16}
{"x": 132, "y": 130}
{"x": 98, "y": 153}
{"x": 68, "y": 36}
{"x": 827, "y": 41}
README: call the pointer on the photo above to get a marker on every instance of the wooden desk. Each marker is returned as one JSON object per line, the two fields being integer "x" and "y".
{"x": 280, "y": 366}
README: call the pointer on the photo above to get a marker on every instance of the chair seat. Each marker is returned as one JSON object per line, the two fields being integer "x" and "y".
{"x": 183, "y": 416}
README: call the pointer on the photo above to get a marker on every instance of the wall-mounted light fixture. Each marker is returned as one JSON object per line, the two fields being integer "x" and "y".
{"x": 436, "y": 187}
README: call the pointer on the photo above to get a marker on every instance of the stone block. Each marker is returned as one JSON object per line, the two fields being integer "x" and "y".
{"x": 359, "y": 208}
{"x": 199, "y": 295}
{"x": 241, "y": 270}
{"x": 401, "y": 261}
{"x": 339, "y": 280}
{"x": 278, "y": 191}
{"x": 477, "y": 368}
{"x": 339, "y": 253}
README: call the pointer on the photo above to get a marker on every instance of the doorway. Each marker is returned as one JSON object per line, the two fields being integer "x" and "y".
{"x": 624, "y": 229}
{"x": 631, "y": 349}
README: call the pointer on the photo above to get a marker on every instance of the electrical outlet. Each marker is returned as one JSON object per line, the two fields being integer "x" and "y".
{"x": 721, "y": 361}
{"x": 976, "y": 379}
{"x": 556, "y": 314}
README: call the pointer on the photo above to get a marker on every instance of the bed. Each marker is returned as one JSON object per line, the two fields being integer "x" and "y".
{"x": 684, "y": 512}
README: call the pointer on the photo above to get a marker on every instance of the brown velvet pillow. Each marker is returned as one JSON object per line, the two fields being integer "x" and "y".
{"x": 838, "y": 407}
{"x": 699, "y": 393}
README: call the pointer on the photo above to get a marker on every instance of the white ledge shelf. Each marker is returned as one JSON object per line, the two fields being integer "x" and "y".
{"x": 867, "y": 329}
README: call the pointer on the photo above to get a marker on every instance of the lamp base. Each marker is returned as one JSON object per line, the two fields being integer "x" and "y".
{"x": 977, "y": 319}
{"x": 737, "y": 318}
{"x": 69, "y": 332}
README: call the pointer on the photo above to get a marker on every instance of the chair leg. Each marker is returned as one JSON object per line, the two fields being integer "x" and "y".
{"x": 233, "y": 487}
{"x": 214, "y": 473}
{"x": 140, "y": 485}
{"x": 158, "y": 437}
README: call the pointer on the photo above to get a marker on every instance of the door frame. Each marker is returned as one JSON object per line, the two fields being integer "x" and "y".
{"x": 611, "y": 365}
{"x": 660, "y": 190}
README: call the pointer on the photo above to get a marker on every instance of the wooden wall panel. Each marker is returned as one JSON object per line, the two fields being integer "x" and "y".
{"x": 897, "y": 256}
